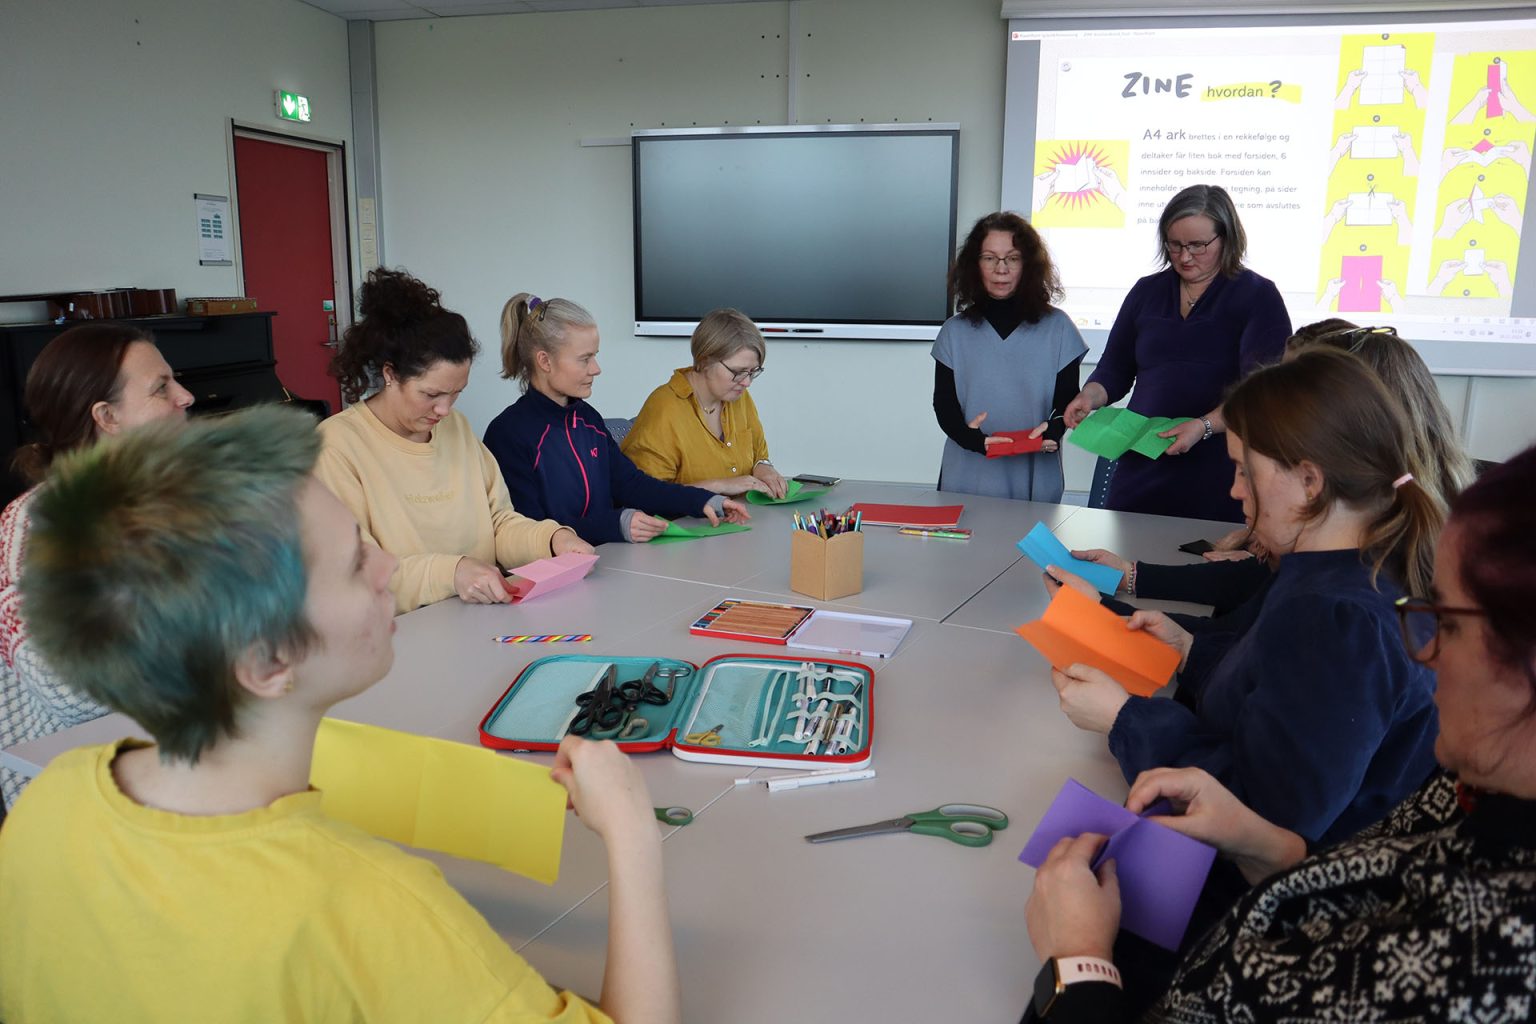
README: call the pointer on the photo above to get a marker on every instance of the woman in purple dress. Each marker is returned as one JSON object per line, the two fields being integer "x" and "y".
{"x": 1182, "y": 337}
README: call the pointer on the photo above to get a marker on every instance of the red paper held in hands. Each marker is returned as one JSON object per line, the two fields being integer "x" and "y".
{"x": 1019, "y": 443}
{"x": 1077, "y": 630}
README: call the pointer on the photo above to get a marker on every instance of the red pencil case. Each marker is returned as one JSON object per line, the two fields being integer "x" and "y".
{"x": 734, "y": 709}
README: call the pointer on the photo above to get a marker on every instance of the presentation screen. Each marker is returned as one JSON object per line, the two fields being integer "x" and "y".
{"x": 1382, "y": 172}
{"x": 831, "y": 230}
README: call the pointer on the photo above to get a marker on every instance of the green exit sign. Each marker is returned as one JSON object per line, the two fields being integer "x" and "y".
{"x": 291, "y": 106}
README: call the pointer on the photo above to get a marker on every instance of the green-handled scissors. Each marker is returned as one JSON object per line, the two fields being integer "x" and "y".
{"x": 966, "y": 824}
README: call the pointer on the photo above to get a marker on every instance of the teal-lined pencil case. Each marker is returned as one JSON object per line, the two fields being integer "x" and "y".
{"x": 733, "y": 709}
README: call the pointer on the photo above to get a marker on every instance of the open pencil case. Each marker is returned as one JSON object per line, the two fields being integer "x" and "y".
{"x": 733, "y": 709}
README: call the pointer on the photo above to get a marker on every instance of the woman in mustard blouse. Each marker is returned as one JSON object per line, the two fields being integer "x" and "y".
{"x": 701, "y": 427}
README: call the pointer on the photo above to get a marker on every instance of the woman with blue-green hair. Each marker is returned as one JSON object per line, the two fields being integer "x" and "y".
{"x": 202, "y": 581}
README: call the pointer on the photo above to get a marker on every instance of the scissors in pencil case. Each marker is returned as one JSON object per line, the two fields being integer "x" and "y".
{"x": 708, "y": 738}
{"x": 598, "y": 709}
{"x": 643, "y": 690}
{"x": 966, "y": 824}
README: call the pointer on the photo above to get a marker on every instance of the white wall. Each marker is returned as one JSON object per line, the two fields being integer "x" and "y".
{"x": 115, "y": 113}
{"x": 487, "y": 192}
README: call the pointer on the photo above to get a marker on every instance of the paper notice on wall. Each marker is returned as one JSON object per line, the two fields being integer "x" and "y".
{"x": 215, "y": 245}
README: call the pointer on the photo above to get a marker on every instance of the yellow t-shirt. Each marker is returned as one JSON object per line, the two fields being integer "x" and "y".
{"x": 112, "y": 911}
{"x": 670, "y": 440}
{"x": 428, "y": 504}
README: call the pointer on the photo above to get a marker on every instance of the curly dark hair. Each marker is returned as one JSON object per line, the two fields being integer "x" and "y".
{"x": 1039, "y": 284}
{"x": 403, "y": 325}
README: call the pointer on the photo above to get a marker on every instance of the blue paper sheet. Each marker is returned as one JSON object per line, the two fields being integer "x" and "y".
{"x": 1041, "y": 547}
{"x": 1161, "y": 872}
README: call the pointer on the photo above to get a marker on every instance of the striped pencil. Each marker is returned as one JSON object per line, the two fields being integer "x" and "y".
{"x": 544, "y": 638}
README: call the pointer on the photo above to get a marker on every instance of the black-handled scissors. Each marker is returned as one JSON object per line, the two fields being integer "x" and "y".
{"x": 597, "y": 708}
{"x": 643, "y": 690}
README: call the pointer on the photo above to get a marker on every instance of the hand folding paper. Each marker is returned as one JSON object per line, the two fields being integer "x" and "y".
{"x": 1078, "y": 630}
{"x": 547, "y": 574}
{"x": 1161, "y": 871}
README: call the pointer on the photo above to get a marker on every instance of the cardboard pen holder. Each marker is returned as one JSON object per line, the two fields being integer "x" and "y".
{"x": 826, "y": 569}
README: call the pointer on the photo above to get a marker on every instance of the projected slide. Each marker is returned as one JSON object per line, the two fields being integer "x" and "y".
{"x": 1381, "y": 173}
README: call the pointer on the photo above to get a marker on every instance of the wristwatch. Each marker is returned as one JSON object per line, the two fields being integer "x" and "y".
{"x": 1208, "y": 431}
{"x": 1057, "y": 974}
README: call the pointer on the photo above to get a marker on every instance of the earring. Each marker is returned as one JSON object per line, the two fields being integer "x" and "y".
{"x": 288, "y": 686}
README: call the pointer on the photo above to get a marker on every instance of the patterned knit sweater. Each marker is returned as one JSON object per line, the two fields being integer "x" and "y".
{"x": 1429, "y": 915}
{"x": 33, "y": 701}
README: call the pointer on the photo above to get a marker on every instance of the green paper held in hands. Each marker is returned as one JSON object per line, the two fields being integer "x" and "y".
{"x": 676, "y": 532}
{"x": 796, "y": 491}
{"x": 1113, "y": 432}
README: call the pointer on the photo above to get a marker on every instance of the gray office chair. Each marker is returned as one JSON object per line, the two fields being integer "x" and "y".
{"x": 618, "y": 427}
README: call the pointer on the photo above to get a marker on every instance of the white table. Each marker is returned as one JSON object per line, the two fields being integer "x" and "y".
{"x": 769, "y": 927}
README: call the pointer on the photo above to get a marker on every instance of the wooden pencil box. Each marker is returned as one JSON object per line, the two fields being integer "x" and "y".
{"x": 733, "y": 709}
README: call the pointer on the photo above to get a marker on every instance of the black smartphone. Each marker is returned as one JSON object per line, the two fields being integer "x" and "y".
{"x": 819, "y": 481}
{"x": 1198, "y": 547}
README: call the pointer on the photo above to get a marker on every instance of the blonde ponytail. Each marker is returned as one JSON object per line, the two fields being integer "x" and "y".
{"x": 530, "y": 325}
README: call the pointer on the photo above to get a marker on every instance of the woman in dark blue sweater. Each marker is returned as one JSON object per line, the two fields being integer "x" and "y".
{"x": 554, "y": 450}
{"x": 1311, "y": 712}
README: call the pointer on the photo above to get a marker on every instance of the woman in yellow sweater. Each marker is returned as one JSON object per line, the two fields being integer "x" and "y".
{"x": 409, "y": 467}
{"x": 701, "y": 427}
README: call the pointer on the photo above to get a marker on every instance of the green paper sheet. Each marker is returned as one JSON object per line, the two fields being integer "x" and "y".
{"x": 1113, "y": 432}
{"x": 676, "y": 532}
{"x": 795, "y": 492}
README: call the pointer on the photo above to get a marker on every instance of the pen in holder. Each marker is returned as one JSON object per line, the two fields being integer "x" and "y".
{"x": 826, "y": 568}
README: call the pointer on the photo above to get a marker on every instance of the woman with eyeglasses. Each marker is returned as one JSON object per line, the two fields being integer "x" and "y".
{"x": 1182, "y": 337}
{"x": 1007, "y": 359}
{"x": 406, "y": 463}
{"x": 1308, "y": 709}
{"x": 554, "y": 449}
{"x": 701, "y": 427}
{"x": 1429, "y": 915}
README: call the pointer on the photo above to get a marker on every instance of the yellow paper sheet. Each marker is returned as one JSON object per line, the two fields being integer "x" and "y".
{"x": 436, "y": 795}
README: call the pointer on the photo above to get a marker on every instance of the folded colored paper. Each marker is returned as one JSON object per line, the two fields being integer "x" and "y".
{"x": 436, "y": 795}
{"x": 676, "y": 532}
{"x": 1019, "y": 443}
{"x": 1112, "y": 432}
{"x": 796, "y": 491}
{"x": 547, "y": 574}
{"x": 1041, "y": 547}
{"x": 1161, "y": 871}
{"x": 932, "y": 516}
{"x": 1077, "y": 630}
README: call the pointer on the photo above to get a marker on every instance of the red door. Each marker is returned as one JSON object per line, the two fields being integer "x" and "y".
{"x": 285, "y": 244}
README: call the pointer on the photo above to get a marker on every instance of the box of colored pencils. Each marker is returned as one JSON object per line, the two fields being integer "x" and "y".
{"x": 826, "y": 555}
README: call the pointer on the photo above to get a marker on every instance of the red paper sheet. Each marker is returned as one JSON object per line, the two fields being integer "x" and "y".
{"x": 1078, "y": 630}
{"x": 547, "y": 574}
{"x": 1019, "y": 443}
{"x": 909, "y": 515}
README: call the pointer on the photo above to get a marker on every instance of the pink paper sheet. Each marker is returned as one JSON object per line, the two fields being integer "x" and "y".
{"x": 547, "y": 574}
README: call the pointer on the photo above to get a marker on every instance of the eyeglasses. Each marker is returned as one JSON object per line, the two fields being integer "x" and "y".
{"x": 1420, "y": 622}
{"x": 1193, "y": 248}
{"x": 1356, "y": 337}
{"x": 1012, "y": 261}
{"x": 743, "y": 376}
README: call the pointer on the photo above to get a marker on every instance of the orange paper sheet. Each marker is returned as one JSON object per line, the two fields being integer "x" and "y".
{"x": 1077, "y": 630}
{"x": 436, "y": 795}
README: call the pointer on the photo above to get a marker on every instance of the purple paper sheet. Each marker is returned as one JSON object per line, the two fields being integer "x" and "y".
{"x": 1161, "y": 872}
